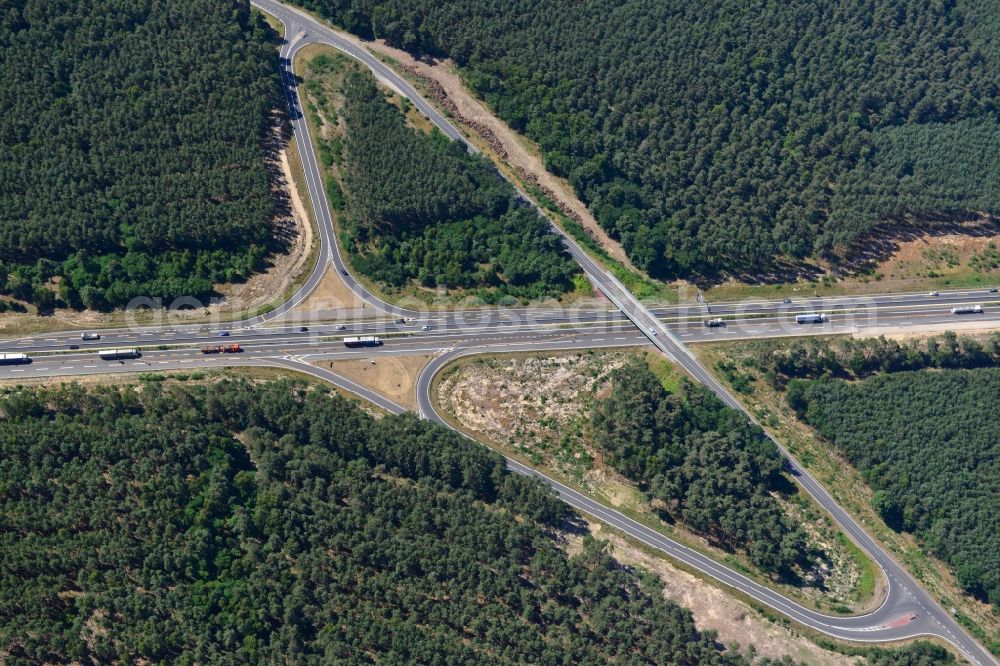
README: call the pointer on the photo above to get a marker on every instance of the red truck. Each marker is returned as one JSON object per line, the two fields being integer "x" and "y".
{"x": 222, "y": 349}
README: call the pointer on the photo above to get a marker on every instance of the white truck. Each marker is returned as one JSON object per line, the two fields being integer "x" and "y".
{"x": 811, "y": 318}
{"x": 363, "y": 341}
{"x": 14, "y": 359}
{"x": 116, "y": 354}
{"x": 967, "y": 309}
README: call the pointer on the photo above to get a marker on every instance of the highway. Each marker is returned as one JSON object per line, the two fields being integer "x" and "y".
{"x": 744, "y": 320}
{"x": 924, "y": 615}
{"x": 907, "y": 611}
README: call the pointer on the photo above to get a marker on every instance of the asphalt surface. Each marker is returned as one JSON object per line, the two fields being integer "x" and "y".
{"x": 907, "y": 611}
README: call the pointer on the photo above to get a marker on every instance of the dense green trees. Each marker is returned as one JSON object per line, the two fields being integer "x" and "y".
{"x": 421, "y": 208}
{"x": 858, "y": 358}
{"x": 241, "y": 523}
{"x": 131, "y": 147}
{"x": 720, "y": 135}
{"x": 703, "y": 462}
{"x": 928, "y": 444}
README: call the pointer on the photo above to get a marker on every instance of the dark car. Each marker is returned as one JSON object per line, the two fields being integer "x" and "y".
{"x": 224, "y": 334}
{"x": 303, "y": 329}
{"x": 74, "y": 346}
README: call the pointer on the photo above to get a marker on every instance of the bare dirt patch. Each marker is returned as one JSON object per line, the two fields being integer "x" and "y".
{"x": 713, "y": 609}
{"x": 333, "y": 299}
{"x": 395, "y": 377}
{"x": 535, "y": 405}
{"x": 963, "y": 255}
{"x": 971, "y": 327}
{"x": 943, "y": 255}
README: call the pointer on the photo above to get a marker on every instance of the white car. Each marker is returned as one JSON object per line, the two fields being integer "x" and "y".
{"x": 341, "y": 327}
{"x": 425, "y": 328}
{"x": 933, "y": 293}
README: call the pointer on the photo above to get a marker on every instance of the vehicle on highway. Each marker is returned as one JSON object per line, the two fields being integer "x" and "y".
{"x": 425, "y": 328}
{"x": 224, "y": 334}
{"x": 652, "y": 332}
{"x": 14, "y": 359}
{"x": 811, "y": 318}
{"x": 933, "y": 293}
{"x": 90, "y": 336}
{"x": 400, "y": 321}
{"x": 363, "y": 341}
{"x": 74, "y": 346}
{"x": 714, "y": 323}
{"x": 303, "y": 329}
{"x": 222, "y": 349}
{"x": 786, "y": 300}
{"x": 967, "y": 309}
{"x": 343, "y": 273}
{"x": 116, "y": 354}
{"x": 340, "y": 327}
{"x": 994, "y": 290}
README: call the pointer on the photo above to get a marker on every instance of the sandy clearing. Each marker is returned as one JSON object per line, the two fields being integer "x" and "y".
{"x": 970, "y": 326}
{"x": 714, "y": 609}
{"x": 332, "y": 299}
{"x": 528, "y": 403}
{"x": 395, "y": 377}
{"x": 945, "y": 254}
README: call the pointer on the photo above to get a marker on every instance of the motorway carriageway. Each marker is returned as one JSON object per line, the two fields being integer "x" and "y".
{"x": 304, "y": 353}
{"x": 765, "y": 320}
